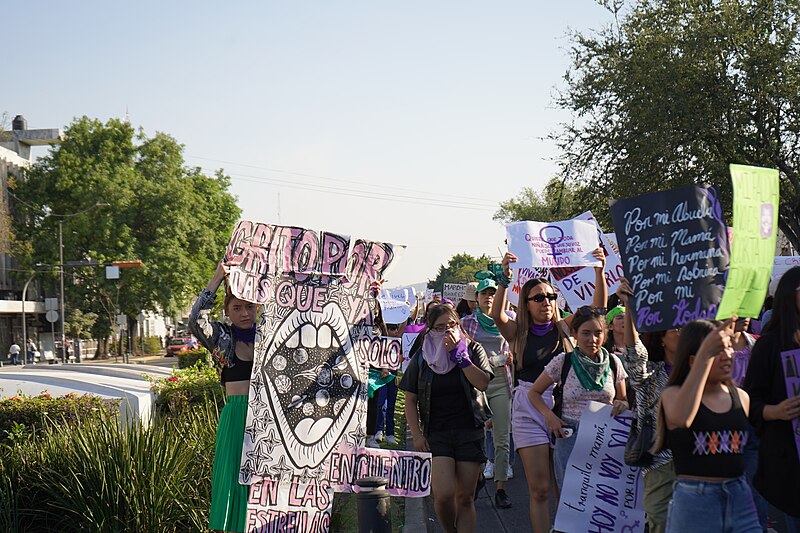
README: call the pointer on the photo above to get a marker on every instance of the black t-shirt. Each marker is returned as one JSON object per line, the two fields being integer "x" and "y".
{"x": 449, "y": 406}
{"x": 538, "y": 352}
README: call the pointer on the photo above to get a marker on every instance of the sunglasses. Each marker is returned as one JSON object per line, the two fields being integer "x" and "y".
{"x": 587, "y": 310}
{"x": 539, "y": 298}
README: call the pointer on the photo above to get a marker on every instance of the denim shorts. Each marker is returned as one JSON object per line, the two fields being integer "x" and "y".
{"x": 704, "y": 506}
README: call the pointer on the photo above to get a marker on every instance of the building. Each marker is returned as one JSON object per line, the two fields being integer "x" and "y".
{"x": 15, "y": 157}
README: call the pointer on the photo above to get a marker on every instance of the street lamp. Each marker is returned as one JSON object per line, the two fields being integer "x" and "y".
{"x": 61, "y": 220}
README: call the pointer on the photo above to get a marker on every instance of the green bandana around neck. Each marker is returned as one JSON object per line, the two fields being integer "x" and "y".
{"x": 486, "y": 322}
{"x": 591, "y": 374}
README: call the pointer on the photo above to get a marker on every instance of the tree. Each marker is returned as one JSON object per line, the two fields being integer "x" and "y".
{"x": 175, "y": 219}
{"x": 460, "y": 269}
{"x": 556, "y": 202}
{"x": 675, "y": 91}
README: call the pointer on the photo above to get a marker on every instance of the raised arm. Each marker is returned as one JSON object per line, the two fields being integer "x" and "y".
{"x": 201, "y": 327}
{"x": 600, "y": 298}
{"x": 635, "y": 354}
{"x": 681, "y": 403}
{"x": 507, "y": 327}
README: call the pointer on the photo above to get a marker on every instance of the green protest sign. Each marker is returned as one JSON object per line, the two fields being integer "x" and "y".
{"x": 755, "y": 224}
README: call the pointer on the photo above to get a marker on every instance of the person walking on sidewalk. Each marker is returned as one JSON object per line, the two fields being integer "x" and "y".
{"x": 481, "y": 327}
{"x": 445, "y": 413}
{"x": 13, "y": 353}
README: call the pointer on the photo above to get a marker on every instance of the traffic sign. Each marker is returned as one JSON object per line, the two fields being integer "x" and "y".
{"x": 51, "y": 316}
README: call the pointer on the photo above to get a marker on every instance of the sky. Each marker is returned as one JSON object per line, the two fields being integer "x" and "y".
{"x": 405, "y": 122}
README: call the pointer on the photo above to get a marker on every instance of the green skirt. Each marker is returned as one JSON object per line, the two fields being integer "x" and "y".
{"x": 228, "y": 497}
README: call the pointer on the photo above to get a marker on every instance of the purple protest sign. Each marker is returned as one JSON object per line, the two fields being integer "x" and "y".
{"x": 791, "y": 373}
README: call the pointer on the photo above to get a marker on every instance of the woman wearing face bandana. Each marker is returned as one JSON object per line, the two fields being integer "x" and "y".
{"x": 232, "y": 348}
{"x": 446, "y": 413}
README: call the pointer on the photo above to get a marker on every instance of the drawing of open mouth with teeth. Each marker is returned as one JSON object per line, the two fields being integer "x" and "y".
{"x": 313, "y": 374}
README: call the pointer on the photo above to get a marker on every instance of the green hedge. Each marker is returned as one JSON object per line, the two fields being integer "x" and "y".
{"x": 186, "y": 388}
{"x": 192, "y": 357}
{"x": 22, "y": 415}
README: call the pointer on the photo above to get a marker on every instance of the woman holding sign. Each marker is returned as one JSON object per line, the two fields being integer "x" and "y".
{"x": 232, "y": 348}
{"x": 445, "y": 414}
{"x": 703, "y": 420}
{"x": 535, "y": 336}
{"x": 769, "y": 373}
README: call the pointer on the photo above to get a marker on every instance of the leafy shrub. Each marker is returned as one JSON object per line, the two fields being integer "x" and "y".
{"x": 22, "y": 415}
{"x": 187, "y": 387}
{"x": 103, "y": 476}
{"x": 152, "y": 345}
{"x": 191, "y": 357}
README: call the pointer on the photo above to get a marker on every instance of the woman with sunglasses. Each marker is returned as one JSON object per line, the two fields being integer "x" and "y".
{"x": 586, "y": 373}
{"x": 445, "y": 414}
{"x": 771, "y": 410}
{"x": 536, "y": 335}
{"x": 480, "y": 326}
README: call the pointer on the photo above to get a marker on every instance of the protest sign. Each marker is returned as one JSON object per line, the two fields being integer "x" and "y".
{"x": 577, "y": 284}
{"x": 401, "y": 294}
{"x": 273, "y": 507}
{"x": 454, "y": 291}
{"x": 755, "y": 223}
{"x": 315, "y": 339}
{"x": 675, "y": 252}
{"x": 552, "y": 244}
{"x": 791, "y": 374}
{"x": 408, "y": 343}
{"x": 601, "y": 492}
{"x": 408, "y": 473}
{"x": 780, "y": 265}
{"x": 521, "y": 277}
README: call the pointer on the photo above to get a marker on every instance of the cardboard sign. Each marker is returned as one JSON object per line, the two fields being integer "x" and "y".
{"x": 568, "y": 243}
{"x": 755, "y": 223}
{"x": 601, "y": 492}
{"x": 408, "y": 473}
{"x": 454, "y": 291}
{"x": 577, "y": 284}
{"x": 674, "y": 248}
{"x": 791, "y": 373}
{"x": 780, "y": 264}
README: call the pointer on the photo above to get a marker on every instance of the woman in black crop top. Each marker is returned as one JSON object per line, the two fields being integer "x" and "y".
{"x": 703, "y": 419}
{"x": 534, "y": 339}
{"x": 232, "y": 348}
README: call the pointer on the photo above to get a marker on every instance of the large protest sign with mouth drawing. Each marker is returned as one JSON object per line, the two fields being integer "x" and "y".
{"x": 568, "y": 243}
{"x": 601, "y": 492}
{"x": 755, "y": 225}
{"x": 577, "y": 283}
{"x": 315, "y": 341}
{"x": 675, "y": 252}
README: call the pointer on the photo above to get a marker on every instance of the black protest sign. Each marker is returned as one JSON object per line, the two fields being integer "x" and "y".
{"x": 675, "y": 253}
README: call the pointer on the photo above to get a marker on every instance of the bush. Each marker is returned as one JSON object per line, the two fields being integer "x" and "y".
{"x": 191, "y": 357}
{"x": 103, "y": 476}
{"x": 152, "y": 345}
{"x": 23, "y": 415}
{"x": 186, "y": 388}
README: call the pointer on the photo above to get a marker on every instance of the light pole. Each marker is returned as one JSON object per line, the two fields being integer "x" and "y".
{"x": 61, "y": 219}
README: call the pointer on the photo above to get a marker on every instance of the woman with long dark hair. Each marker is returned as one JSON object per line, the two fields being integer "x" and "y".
{"x": 445, "y": 412}
{"x": 772, "y": 411}
{"x": 232, "y": 348}
{"x": 536, "y": 335}
{"x": 703, "y": 420}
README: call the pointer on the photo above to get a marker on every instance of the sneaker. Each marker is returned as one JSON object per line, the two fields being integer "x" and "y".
{"x": 501, "y": 499}
{"x": 488, "y": 472}
{"x": 372, "y": 443}
{"x": 509, "y": 472}
{"x": 390, "y": 439}
{"x": 379, "y": 436}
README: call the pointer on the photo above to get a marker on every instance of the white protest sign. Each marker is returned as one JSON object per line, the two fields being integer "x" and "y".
{"x": 601, "y": 492}
{"x": 454, "y": 291}
{"x": 274, "y": 506}
{"x": 780, "y": 265}
{"x": 408, "y": 343}
{"x": 401, "y": 294}
{"x": 568, "y": 243}
{"x": 577, "y": 284}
